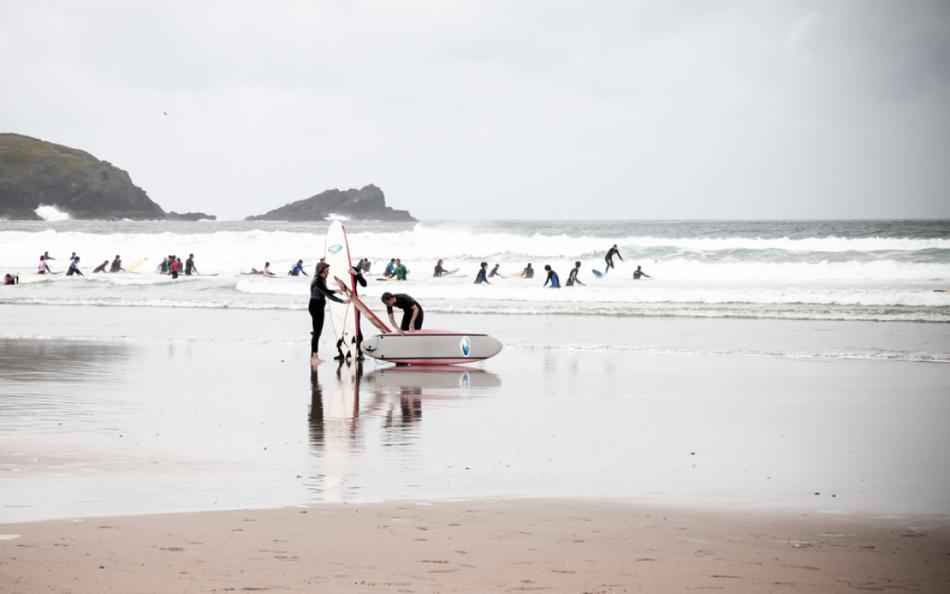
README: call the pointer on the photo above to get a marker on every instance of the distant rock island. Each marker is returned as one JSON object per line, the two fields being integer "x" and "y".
{"x": 35, "y": 172}
{"x": 365, "y": 204}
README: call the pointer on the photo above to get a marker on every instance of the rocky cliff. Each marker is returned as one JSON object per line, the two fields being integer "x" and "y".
{"x": 365, "y": 204}
{"x": 34, "y": 172}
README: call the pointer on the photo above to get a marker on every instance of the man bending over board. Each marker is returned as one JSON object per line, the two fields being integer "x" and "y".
{"x": 412, "y": 313}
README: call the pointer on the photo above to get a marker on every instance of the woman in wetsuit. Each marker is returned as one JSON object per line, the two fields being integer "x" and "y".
{"x": 319, "y": 293}
{"x": 481, "y": 276}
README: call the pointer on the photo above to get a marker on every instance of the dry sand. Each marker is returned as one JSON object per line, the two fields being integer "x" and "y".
{"x": 487, "y": 546}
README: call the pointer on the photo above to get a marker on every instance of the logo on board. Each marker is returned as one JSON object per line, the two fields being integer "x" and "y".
{"x": 335, "y": 248}
{"x": 465, "y": 347}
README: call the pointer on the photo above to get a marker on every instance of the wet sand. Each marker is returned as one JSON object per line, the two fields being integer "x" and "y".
{"x": 475, "y": 546}
{"x": 552, "y": 468}
{"x": 114, "y": 428}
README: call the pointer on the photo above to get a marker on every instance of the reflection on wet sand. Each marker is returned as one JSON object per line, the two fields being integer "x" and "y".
{"x": 345, "y": 403}
{"x": 44, "y": 384}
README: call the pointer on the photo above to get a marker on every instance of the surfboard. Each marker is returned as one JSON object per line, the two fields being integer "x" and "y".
{"x": 432, "y": 347}
{"x": 597, "y": 273}
{"x": 449, "y": 272}
{"x": 342, "y": 315}
{"x": 131, "y": 267}
{"x": 364, "y": 309}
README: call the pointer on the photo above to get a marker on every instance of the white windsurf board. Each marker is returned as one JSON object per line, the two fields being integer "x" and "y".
{"x": 431, "y": 347}
{"x": 342, "y": 315}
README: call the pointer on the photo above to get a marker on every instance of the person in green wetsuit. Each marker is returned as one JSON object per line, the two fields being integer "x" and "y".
{"x": 401, "y": 270}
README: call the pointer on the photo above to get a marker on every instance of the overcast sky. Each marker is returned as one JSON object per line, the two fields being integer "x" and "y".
{"x": 499, "y": 109}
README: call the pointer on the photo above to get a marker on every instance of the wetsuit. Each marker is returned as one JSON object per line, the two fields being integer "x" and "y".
{"x": 480, "y": 277}
{"x": 10, "y": 279}
{"x": 73, "y": 269}
{"x": 528, "y": 272}
{"x": 358, "y": 277}
{"x": 319, "y": 293}
{"x": 609, "y": 258}
{"x": 638, "y": 273}
{"x": 572, "y": 277}
{"x": 100, "y": 268}
{"x": 405, "y": 303}
{"x": 190, "y": 267}
{"x": 389, "y": 269}
{"x": 116, "y": 265}
{"x": 494, "y": 272}
{"x": 439, "y": 271}
{"x": 297, "y": 269}
{"x": 553, "y": 279}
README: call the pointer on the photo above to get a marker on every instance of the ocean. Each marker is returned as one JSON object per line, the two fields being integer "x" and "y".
{"x": 809, "y": 270}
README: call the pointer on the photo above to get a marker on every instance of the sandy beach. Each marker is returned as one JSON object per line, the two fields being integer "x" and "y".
{"x": 173, "y": 450}
{"x": 475, "y": 546}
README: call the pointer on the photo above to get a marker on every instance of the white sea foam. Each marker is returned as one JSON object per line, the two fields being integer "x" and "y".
{"x": 51, "y": 213}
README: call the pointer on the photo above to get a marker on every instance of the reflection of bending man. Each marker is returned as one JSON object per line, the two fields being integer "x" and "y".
{"x": 412, "y": 313}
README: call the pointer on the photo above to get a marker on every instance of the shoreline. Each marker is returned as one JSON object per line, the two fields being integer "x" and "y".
{"x": 559, "y": 545}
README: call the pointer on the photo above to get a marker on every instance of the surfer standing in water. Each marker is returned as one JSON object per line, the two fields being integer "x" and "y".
{"x": 43, "y": 268}
{"x": 638, "y": 273}
{"x": 552, "y": 278}
{"x": 480, "y": 277}
{"x": 609, "y": 258}
{"x": 439, "y": 270}
{"x": 572, "y": 277}
{"x": 412, "y": 313}
{"x": 319, "y": 293}
{"x": 190, "y": 267}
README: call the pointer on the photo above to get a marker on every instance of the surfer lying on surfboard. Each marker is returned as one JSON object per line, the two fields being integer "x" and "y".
{"x": 412, "y": 314}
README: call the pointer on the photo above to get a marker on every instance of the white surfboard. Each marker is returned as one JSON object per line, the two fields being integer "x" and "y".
{"x": 431, "y": 347}
{"x": 342, "y": 316}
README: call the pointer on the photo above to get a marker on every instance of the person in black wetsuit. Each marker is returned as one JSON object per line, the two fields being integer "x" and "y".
{"x": 572, "y": 277}
{"x": 357, "y": 273}
{"x": 528, "y": 272}
{"x": 481, "y": 276}
{"x": 439, "y": 270}
{"x": 609, "y": 258}
{"x": 74, "y": 267}
{"x": 190, "y": 267}
{"x": 100, "y": 268}
{"x": 412, "y": 313}
{"x": 319, "y": 293}
{"x": 638, "y": 273}
{"x": 552, "y": 278}
{"x": 494, "y": 272}
{"x": 116, "y": 265}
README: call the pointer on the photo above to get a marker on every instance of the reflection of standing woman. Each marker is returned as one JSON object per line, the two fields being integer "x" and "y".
{"x": 319, "y": 293}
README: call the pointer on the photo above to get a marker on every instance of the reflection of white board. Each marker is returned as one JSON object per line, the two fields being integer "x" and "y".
{"x": 342, "y": 315}
{"x": 431, "y": 347}
{"x": 438, "y": 377}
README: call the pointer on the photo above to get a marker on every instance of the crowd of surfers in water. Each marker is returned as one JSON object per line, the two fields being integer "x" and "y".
{"x": 173, "y": 266}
